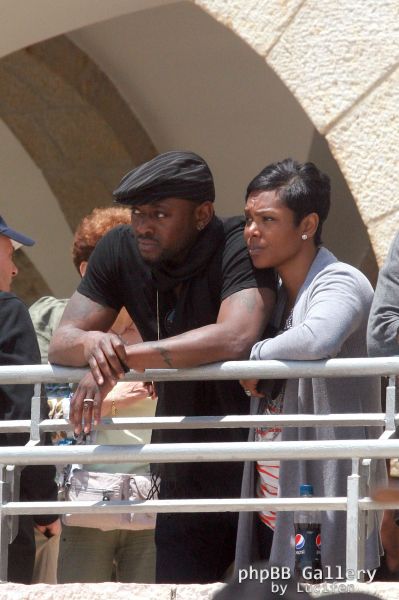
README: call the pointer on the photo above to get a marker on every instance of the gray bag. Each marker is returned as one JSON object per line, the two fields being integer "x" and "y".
{"x": 103, "y": 487}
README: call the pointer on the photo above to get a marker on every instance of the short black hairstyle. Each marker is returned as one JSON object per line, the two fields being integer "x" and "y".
{"x": 302, "y": 187}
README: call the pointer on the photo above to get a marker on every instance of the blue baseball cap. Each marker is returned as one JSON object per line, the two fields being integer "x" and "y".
{"x": 17, "y": 239}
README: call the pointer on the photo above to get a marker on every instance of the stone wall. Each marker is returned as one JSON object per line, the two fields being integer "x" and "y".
{"x": 340, "y": 60}
{"x": 75, "y": 126}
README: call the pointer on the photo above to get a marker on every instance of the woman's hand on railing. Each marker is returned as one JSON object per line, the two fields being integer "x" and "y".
{"x": 125, "y": 394}
{"x": 86, "y": 403}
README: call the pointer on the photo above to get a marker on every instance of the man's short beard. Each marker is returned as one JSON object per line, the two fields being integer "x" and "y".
{"x": 151, "y": 262}
{"x": 164, "y": 256}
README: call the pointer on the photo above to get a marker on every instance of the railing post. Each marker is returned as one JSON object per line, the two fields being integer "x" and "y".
{"x": 355, "y": 526}
{"x": 9, "y": 483}
{"x": 391, "y": 404}
{"x": 5, "y": 522}
{"x": 36, "y": 414}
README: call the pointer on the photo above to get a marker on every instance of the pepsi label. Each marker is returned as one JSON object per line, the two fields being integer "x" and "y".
{"x": 307, "y": 550}
{"x": 299, "y": 541}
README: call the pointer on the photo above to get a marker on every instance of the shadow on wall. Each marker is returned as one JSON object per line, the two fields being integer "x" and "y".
{"x": 344, "y": 233}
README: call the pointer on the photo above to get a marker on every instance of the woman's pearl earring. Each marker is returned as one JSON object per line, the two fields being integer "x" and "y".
{"x": 304, "y": 236}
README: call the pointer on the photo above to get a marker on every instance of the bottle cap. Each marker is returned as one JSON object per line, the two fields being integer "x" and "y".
{"x": 306, "y": 490}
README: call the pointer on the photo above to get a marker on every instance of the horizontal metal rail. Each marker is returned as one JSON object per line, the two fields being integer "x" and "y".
{"x": 199, "y": 452}
{"x": 359, "y": 451}
{"x": 164, "y": 506}
{"x": 245, "y": 369}
{"x": 211, "y": 422}
{"x": 195, "y": 505}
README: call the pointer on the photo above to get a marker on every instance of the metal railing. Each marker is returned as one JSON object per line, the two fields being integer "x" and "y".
{"x": 356, "y": 503}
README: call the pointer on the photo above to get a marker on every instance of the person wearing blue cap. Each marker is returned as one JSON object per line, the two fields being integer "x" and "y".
{"x": 18, "y": 346}
{"x": 10, "y": 240}
{"x": 186, "y": 279}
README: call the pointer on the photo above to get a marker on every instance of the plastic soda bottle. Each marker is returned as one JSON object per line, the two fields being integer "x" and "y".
{"x": 307, "y": 526}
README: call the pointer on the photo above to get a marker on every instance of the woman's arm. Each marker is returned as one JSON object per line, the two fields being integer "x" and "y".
{"x": 125, "y": 394}
{"x": 339, "y": 301}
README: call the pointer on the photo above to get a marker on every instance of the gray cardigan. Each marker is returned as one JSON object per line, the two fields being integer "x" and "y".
{"x": 382, "y": 334}
{"x": 329, "y": 320}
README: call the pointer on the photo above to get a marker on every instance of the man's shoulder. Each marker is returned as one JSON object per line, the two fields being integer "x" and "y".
{"x": 120, "y": 233}
{"x": 232, "y": 225}
{"x": 7, "y": 296}
{"x": 233, "y": 232}
{"x": 14, "y": 313}
{"x": 116, "y": 243}
{"x": 344, "y": 274}
{"x": 8, "y": 299}
{"x": 343, "y": 268}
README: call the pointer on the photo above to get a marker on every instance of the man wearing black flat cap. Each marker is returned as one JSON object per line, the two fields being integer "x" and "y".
{"x": 187, "y": 281}
{"x": 18, "y": 346}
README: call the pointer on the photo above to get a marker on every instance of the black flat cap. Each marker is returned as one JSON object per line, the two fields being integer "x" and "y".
{"x": 169, "y": 175}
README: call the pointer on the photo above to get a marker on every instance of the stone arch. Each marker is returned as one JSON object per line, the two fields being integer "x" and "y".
{"x": 348, "y": 86}
{"x": 74, "y": 125}
{"x": 72, "y": 121}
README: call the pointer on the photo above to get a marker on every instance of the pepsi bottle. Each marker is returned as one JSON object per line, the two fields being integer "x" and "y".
{"x": 308, "y": 542}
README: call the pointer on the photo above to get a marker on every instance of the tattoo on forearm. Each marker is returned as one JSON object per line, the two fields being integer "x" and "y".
{"x": 166, "y": 356}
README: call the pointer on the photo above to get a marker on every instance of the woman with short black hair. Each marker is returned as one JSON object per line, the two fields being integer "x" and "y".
{"x": 321, "y": 312}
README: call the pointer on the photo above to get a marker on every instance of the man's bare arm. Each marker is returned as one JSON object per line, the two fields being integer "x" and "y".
{"x": 241, "y": 321}
{"x": 82, "y": 327}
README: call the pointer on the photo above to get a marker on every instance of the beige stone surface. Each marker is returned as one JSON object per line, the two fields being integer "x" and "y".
{"x": 129, "y": 591}
{"x": 29, "y": 130}
{"x": 366, "y": 143}
{"x": 196, "y": 592}
{"x": 259, "y": 22}
{"x": 76, "y": 70}
{"x": 85, "y": 139}
{"x": 80, "y": 591}
{"x": 51, "y": 93}
{"x": 384, "y": 590}
{"x": 339, "y": 59}
{"x": 334, "y": 52}
{"x": 78, "y": 193}
{"x": 108, "y": 591}
{"x": 14, "y": 95}
{"x": 382, "y": 232}
{"x": 72, "y": 122}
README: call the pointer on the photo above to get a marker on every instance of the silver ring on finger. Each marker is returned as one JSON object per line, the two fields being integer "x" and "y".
{"x": 87, "y": 402}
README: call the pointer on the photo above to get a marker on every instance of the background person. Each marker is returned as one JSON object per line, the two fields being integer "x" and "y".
{"x": 18, "y": 346}
{"x": 383, "y": 325}
{"x": 187, "y": 282}
{"x": 123, "y": 555}
{"x": 383, "y": 340}
{"x": 321, "y": 312}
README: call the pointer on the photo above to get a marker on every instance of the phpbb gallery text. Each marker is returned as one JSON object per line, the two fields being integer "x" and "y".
{"x": 330, "y": 578}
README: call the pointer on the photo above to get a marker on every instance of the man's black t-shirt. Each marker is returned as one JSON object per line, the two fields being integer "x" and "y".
{"x": 117, "y": 276}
